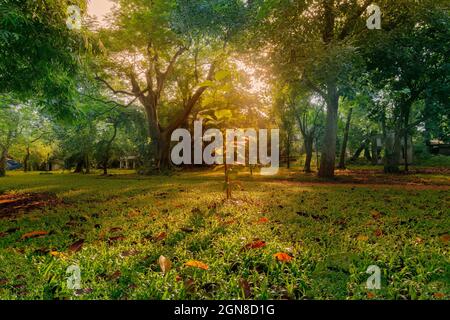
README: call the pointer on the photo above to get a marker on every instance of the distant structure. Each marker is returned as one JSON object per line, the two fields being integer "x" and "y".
{"x": 378, "y": 145}
{"x": 129, "y": 162}
{"x": 12, "y": 164}
{"x": 439, "y": 147}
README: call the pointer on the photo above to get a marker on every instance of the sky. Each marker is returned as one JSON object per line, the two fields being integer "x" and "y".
{"x": 99, "y": 9}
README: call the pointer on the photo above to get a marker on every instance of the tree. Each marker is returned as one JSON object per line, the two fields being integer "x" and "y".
{"x": 408, "y": 63}
{"x": 147, "y": 61}
{"x": 312, "y": 42}
{"x": 39, "y": 55}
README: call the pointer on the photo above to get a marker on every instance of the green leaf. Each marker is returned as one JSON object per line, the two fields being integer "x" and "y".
{"x": 220, "y": 75}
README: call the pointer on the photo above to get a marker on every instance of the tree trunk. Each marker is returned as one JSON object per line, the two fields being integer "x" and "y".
{"x": 3, "y": 164}
{"x": 25, "y": 160}
{"x": 405, "y": 137}
{"x": 308, "y": 141}
{"x": 344, "y": 142}
{"x": 163, "y": 160}
{"x": 79, "y": 167}
{"x": 87, "y": 164}
{"x": 392, "y": 153}
{"x": 358, "y": 152}
{"x": 288, "y": 150}
{"x": 328, "y": 159}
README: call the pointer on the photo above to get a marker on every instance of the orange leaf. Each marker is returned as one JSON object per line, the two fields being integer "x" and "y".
{"x": 263, "y": 220}
{"x": 439, "y": 295}
{"x": 362, "y": 238}
{"x": 370, "y": 295}
{"x": 283, "y": 257}
{"x": 256, "y": 244}
{"x": 160, "y": 236}
{"x": 197, "y": 264}
{"x": 34, "y": 234}
{"x": 445, "y": 238}
{"x": 378, "y": 232}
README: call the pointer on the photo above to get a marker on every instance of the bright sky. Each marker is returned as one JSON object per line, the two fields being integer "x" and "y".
{"x": 99, "y": 9}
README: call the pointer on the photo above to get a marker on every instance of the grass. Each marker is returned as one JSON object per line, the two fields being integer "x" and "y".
{"x": 333, "y": 231}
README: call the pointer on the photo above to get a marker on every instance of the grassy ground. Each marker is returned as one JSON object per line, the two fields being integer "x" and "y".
{"x": 115, "y": 229}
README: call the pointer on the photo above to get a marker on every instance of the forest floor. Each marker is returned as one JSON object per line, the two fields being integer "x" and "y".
{"x": 290, "y": 236}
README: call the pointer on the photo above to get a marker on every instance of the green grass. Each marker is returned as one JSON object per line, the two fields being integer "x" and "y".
{"x": 333, "y": 232}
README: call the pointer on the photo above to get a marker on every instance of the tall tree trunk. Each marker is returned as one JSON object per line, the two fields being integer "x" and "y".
{"x": 164, "y": 152}
{"x": 345, "y": 141}
{"x": 3, "y": 163}
{"x": 25, "y": 160}
{"x": 308, "y": 141}
{"x": 328, "y": 159}
{"x": 79, "y": 167}
{"x": 288, "y": 150}
{"x": 358, "y": 151}
{"x": 405, "y": 137}
{"x": 87, "y": 164}
{"x": 392, "y": 153}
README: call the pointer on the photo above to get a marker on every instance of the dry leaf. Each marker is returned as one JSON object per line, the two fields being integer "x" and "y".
{"x": 34, "y": 234}
{"x": 197, "y": 264}
{"x": 362, "y": 238}
{"x": 378, "y": 232}
{"x": 283, "y": 257}
{"x": 445, "y": 238}
{"x": 439, "y": 295}
{"x": 57, "y": 254}
{"x": 245, "y": 286}
{"x": 370, "y": 295}
{"x": 164, "y": 264}
{"x": 263, "y": 220}
{"x": 160, "y": 236}
{"x": 76, "y": 246}
{"x": 255, "y": 244}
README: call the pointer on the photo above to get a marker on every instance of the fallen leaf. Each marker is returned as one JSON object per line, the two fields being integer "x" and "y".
{"x": 76, "y": 246}
{"x": 263, "y": 220}
{"x": 418, "y": 240}
{"x": 164, "y": 264}
{"x": 189, "y": 285}
{"x": 283, "y": 257}
{"x": 160, "y": 236}
{"x": 178, "y": 278}
{"x": 362, "y": 238}
{"x": 439, "y": 295}
{"x": 34, "y": 234}
{"x": 129, "y": 253}
{"x": 375, "y": 214}
{"x": 378, "y": 232}
{"x": 245, "y": 286}
{"x": 255, "y": 244}
{"x": 187, "y": 229}
{"x": 113, "y": 239}
{"x": 197, "y": 264}
{"x": 370, "y": 295}
{"x": 57, "y": 254}
{"x": 445, "y": 238}
{"x": 79, "y": 292}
